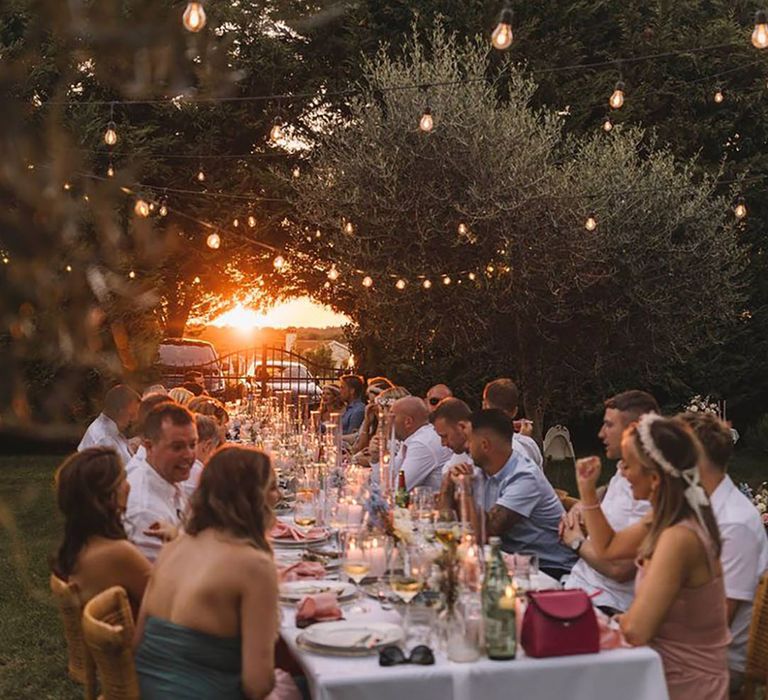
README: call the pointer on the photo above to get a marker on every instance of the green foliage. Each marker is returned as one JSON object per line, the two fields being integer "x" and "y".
{"x": 321, "y": 356}
{"x": 756, "y": 436}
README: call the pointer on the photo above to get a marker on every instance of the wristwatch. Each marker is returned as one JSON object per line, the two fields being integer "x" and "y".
{"x": 576, "y": 544}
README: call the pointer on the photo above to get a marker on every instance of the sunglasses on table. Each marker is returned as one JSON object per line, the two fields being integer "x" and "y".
{"x": 394, "y": 656}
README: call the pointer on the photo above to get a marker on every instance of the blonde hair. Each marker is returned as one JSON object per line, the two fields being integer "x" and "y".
{"x": 181, "y": 395}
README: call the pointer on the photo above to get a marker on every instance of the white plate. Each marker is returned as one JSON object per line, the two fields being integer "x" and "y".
{"x": 294, "y": 591}
{"x": 350, "y": 635}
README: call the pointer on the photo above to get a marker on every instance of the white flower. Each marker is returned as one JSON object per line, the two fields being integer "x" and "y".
{"x": 693, "y": 408}
{"x": 761, "y": 507}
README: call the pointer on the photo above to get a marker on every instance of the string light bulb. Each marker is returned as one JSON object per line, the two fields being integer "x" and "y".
{"x": 760, "y": 32}
{"x": 607, "y": 125}
{"x": 236, "y": 222}
{"x": 213, "y": 241}
{"x": 110, "y": 170}
{"x": 502, "y": 36}
{"x": 719, "y": 96}
{"x": 616, "y": 100}
{"x": 333, "y": 274}
{"x": 297, "y": 172}
{"x": 367, "y": 282}
{"x": 132, "y": 274}
{"x": 349, "y": 228}
{"x": 196, "y": 280}
{"x": 110, "y": 135}
{"x": 194, "y": 18}
{"x": 276, "y": 132}
{"x": 400, "y": 284}
{"x": 446, "y": 280}
{"x": 141, "y": 208}
{"x": 252, "y": 221}
{"x": 740, "y": 210}
{"x": 427, "y": 284}
{"x": 68, "y": 268}
{"x": 200, "y": 175}
{"x": 163, "y": 211}
{"x": 463, "y": 229}
{"x": 427, "y": 123}
{"x": 471, "y": 276}
{"x": 279, "y": 262}
{"x": 591, "y": 223}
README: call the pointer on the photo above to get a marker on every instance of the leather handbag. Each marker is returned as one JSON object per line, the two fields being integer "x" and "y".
{"x": 559, "y": 623}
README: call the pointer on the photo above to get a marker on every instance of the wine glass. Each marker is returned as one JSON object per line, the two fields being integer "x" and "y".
{"x": 305, "y": 510}
{"x": 447, "y": 527}
{"x": 408, "y": 576}
{"x": 357, "y": 561}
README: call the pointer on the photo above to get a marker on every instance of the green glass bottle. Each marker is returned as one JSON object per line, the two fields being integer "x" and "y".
{"x": 402, "y": 498}
{"x": 498, "y": 606}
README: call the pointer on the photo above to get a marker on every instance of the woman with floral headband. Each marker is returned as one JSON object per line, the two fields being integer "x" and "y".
{"x": 679, "y": 607}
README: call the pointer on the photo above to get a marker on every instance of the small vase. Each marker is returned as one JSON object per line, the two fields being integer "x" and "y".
{"x": 458, "y": 645}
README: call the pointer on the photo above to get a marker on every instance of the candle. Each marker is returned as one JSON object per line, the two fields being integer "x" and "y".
{"x": 507, "y": 601}
{"x": 378, "y": 558}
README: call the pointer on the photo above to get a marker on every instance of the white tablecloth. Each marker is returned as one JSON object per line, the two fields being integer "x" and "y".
{"x": 626, "y": 674}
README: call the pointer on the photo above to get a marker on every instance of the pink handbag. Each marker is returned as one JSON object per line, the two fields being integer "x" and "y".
{"x": 559, "y": 623}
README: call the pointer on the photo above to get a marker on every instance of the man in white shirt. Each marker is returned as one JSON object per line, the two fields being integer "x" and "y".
{"x": 146, "y": 405}
{"x": 421, "y": 456}
{"x": 156, "y": 502}
{"x": 611, "y": 582}
{"x": 502, "y": 393}
{"x": 207, "y": 441}
{"x": 121, "y": 406}
{"x": 744, "y": 554}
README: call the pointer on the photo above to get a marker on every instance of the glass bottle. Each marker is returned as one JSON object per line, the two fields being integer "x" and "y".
{"x": 498, "y": 606}
{"x": 402, "y": 499}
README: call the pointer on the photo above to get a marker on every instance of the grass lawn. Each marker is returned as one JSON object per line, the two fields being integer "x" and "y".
{"x": 32, "y": 649}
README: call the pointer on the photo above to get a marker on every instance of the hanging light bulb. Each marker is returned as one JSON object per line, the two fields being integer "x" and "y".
{"x": 194, "y": 16}
{"x": 196, "y": 280}
{"x": 400, "y": 284}
{"x": 200, "y": 175}
{"x": 110, "y": 135}
{"x": 68, "y": 268}
{"x": 591, "y": 223}
{"x": 367, "y": 282}
{"x": 446, "y": 280}
{"x": 333, "y": 274}
{"x": 141, "y": 208}
{"x": 163, "y": 210}
{"x": 213, "y": 241}
{"x": 276, "y": 132}
{"x": 252, "y": 221}
{"x": 349, "y": 228}
{"x": 502, "y": 36}
{"x": 463, "y": 229}
{"x": 607, "y": 125}
{"x": 760, "y": 33}
{"x": 427, "y": 123}
{"x": 719, "y": 96}
{"x": 740, "y": 210}
{"x": 490, "y": 269}
{"x": 110, "y": 170}
{"x": 297, "y": 172}
{"x": 279, "y": 262}
{"x": 132, "y": 274}
{"x": 617, "y": 97}
{"x": 67, "y": 186}
{"x": 236, "y": 222}
{"x": 471, "y": 276}
{"x": 427, "y": 284}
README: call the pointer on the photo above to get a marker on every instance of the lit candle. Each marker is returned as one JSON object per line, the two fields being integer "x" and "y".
{"x": 507, "y": 601}
{"x": 378, "y": 558}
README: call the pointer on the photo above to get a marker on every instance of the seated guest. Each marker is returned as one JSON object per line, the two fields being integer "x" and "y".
{"x": 208, "y": 406}
{"x": 207, "y": 442}
{"x": 140, "y": 452}
{"x": 375, "y": 388}
{"x": 610, "y": 583}
{"x": 181, "y": 395}
{"x": 210, "y": 617}
{"x": 744, "y": 554}
{"x": 351, "y": 386}
{"x": 421, "y": 456}
{"x": 194, "y": 388}
{"x": 436, "y": 394}
{"x": 369, "y": 455}
{"x": 503, "y": 394}
{"x": 95, "y": 554}
{"x": 330, "y": 402}
{"x": 154, "y": 389}
{"x": 157, "y": 502}
{"x": 679, "y": 607}
{"x": 121, "y": 406}
{"x": 452, "y": 419}
{"x": 513, "y": 500}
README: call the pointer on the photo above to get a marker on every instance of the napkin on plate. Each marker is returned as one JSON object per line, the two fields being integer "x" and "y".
{"x": 321, "y": 607}
{"x": 283, "y": 531}
{"x": 302, "y": 570}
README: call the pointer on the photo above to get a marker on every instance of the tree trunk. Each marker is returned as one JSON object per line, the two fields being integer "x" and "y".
{"x": 176, "y": 319}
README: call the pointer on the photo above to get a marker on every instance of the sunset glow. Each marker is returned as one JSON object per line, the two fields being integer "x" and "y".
{"x": 301, "y": 312}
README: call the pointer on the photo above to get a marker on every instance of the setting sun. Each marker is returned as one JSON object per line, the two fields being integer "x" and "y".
{"x": 301, "y": 312}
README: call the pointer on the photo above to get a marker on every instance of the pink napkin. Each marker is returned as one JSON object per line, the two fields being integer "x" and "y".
{"x": 285, "y": 688}
{"x": 302, "y": 570}
{"x": 283, "y": 531}
{"x": 322, "y": 607}
{"x": 610, "y": 634}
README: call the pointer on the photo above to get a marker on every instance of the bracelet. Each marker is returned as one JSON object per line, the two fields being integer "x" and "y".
{"x": 594, "y": 506}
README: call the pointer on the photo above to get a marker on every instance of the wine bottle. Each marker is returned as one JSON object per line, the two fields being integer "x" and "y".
{"x": 402, "y": 499}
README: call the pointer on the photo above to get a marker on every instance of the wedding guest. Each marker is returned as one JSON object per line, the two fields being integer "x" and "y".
{"x": 679, "y": 607}
{"x": 452, "y": 419}
{"x": 145, "y": 407}
{"x": 610, "y": 583}
{"x": 436, "y": 394}
{"x": 375, "y": 388}
{"x": 420, "y": 456}
{"x": 513, "y": 500}
{"x": 207, "y": 441}
{"x": 369, "y": 455}
{"x": 95, "y": 554}
{"x": 154, "y": 389}
{"x": 195, "y": 388}
{"x": 156, "y": 503}
{"x": 109, "y": 429}
{"x": 181, "y": 395}
{"x": 744, "y": 554}
{"x": 208, "y": 406}
{"x": 503, "y": 394}
{"x": 210, "y": 617}
{"x": 351, "y": 393}
{"x": 330, "y": 402}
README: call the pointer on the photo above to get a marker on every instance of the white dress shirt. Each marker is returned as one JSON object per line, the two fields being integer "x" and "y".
{"x": 150, "y": 500}
{"x": 139, "y": 458}
{"x": 103, "y": 432}
{"x": 621, "y": 510}
{"x": 190, "y": 485}
{"x": 744, "y": 557}
{"x": 528, "y": 447}
{"x": 421, "y": 456}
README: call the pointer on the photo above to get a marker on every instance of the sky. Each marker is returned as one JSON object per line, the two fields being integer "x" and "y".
{"x": 301, "y": 311}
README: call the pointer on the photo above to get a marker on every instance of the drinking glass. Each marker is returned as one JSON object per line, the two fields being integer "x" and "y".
{"x": 305, "y": 510}
{"x": 357, "y": 561}
{"x": 447, "y": 527}
{"x": 409, "y": 572}
{"x": 526, "y": 569}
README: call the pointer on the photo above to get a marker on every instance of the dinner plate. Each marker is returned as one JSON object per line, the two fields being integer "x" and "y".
{"x": 350, "y": 635}
{"x": 300, "y": 544}
{"x": 294, "y": 591}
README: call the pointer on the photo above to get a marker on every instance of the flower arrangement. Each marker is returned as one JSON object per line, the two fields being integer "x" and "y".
{"x": 759, "y": 498}
{"x": 448, "y": 564}
{"x": 702, "y": 404}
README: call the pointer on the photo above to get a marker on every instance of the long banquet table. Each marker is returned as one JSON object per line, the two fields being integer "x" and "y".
{"x": 629, "y": 674}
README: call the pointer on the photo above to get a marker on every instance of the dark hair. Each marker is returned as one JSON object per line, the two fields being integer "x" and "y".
{"x": 714, "y": 436}
{"x": 147, "y": 405}
{"x": 354, "y": 382}
{"x": 85, "y": 486}
{"x": 495, "y": 420}
{"x": 634, "y": 402}
{"x": 452, "y": 410}
{"x": 502, "y": 393}
{"x": 178, "y": 415}
{"x": 118, "y": 398}
{"x": 192, "y": 375}
{"x": 195, "y": 387}
{"x": 232, "y": 495}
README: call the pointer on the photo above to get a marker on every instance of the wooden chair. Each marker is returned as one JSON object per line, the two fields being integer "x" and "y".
{"x": 108, "y": 632}
{"x": 79, "y": 663}
{"x": 757, "y": 648}
{"x": 567, "y": 501}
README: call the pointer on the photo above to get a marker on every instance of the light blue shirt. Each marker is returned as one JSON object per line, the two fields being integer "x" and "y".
{"x": 353, "y": 417}
{"x": 521, "y": 487}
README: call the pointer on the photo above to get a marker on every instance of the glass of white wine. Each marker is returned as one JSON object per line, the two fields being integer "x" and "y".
{"x": 357, "y": 561}
{"x": 305, "y": 510}
{"x": 408, "y": 575}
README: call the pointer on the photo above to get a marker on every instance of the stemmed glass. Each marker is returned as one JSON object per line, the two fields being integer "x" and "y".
{"x": 357, "y": 561}
{"x": 408, "y": 576}
{"x": 305, "y": 510}
{"x": 447, "y": 527}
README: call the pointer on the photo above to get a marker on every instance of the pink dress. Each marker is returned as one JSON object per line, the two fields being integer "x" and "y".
{"x": 693, "y": 638}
